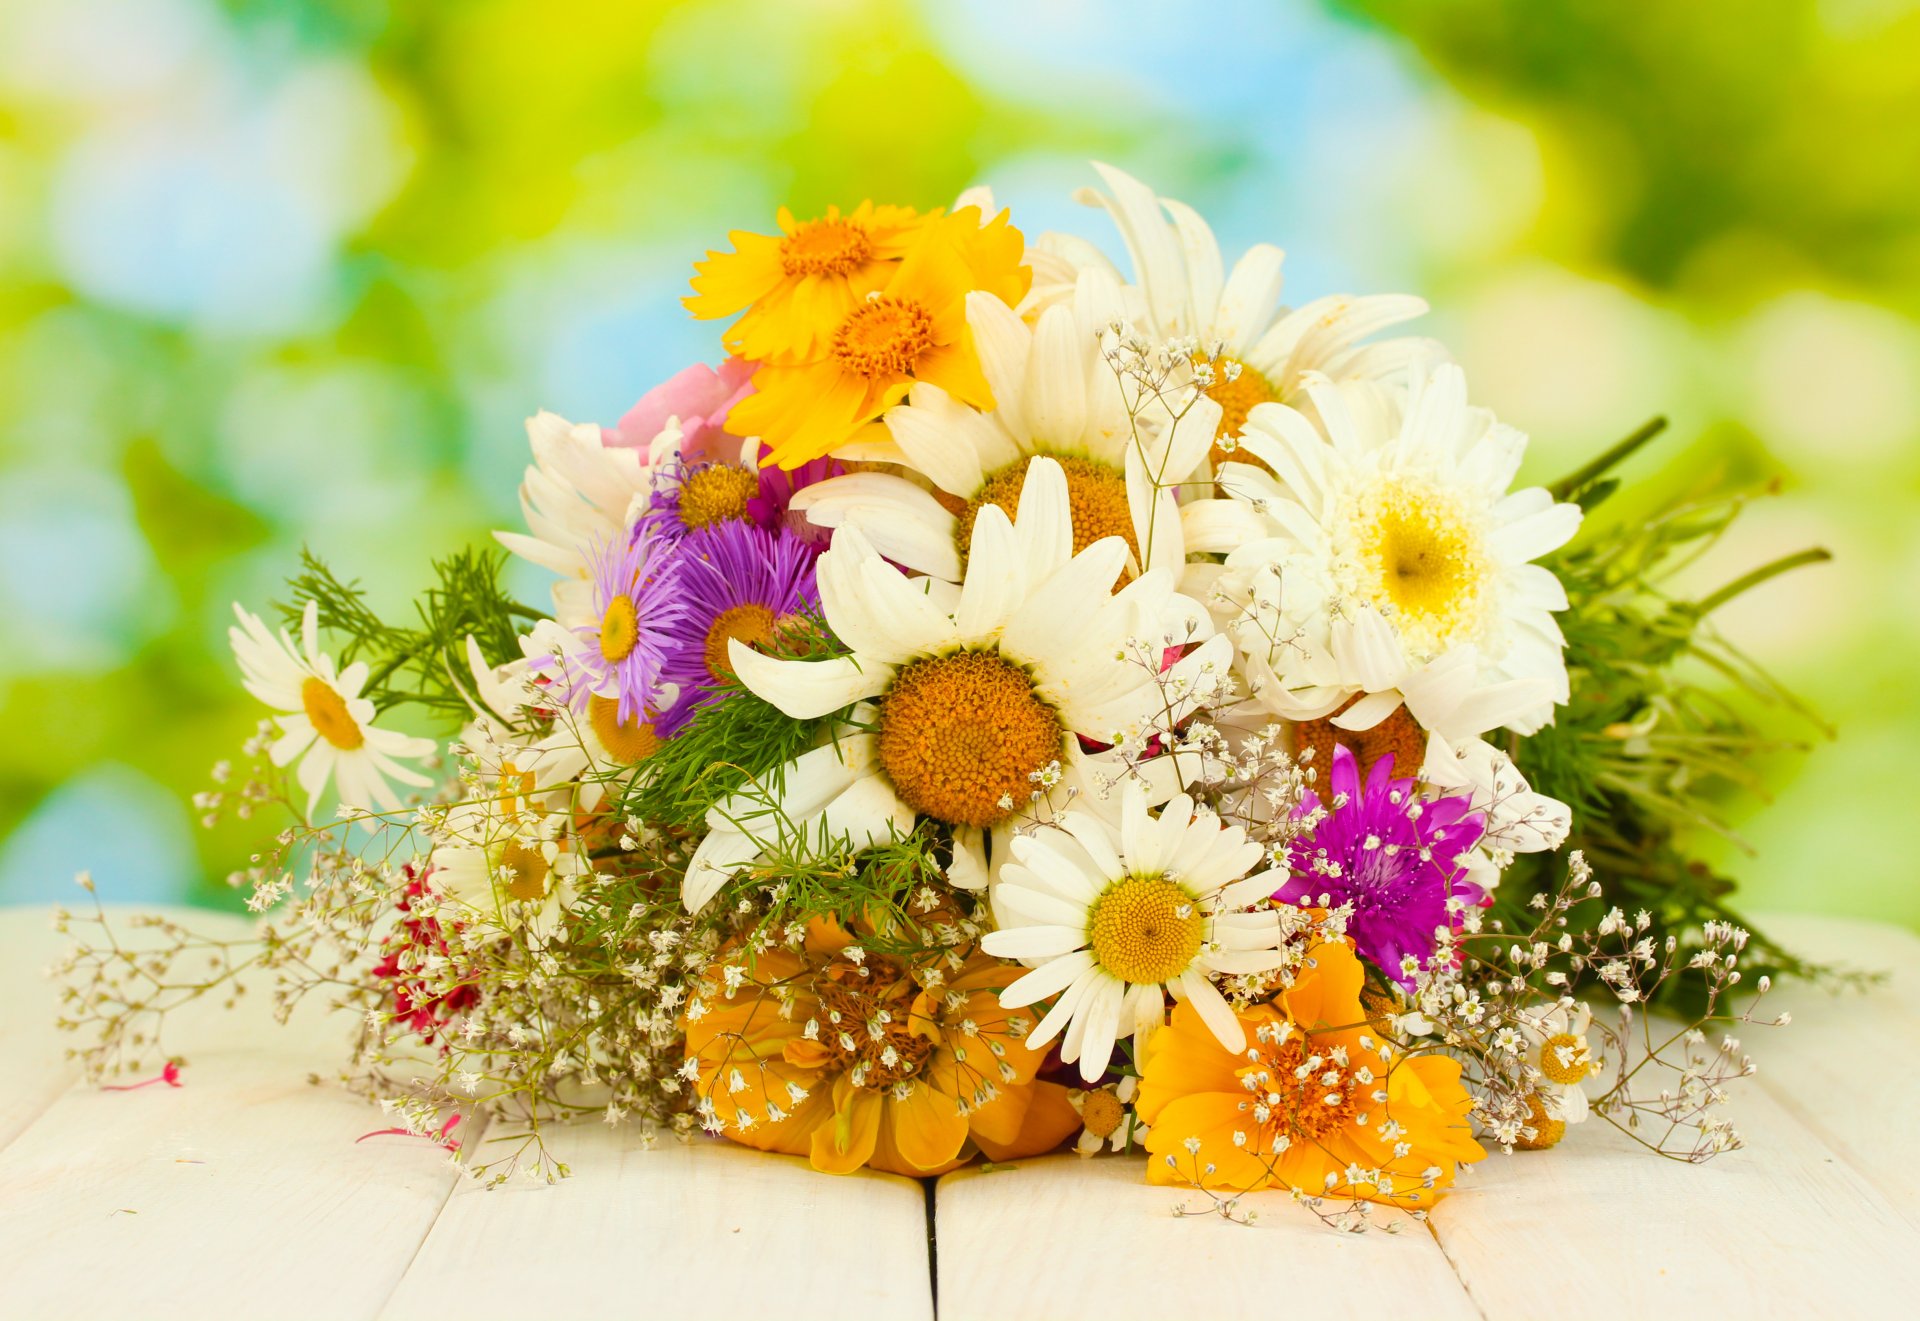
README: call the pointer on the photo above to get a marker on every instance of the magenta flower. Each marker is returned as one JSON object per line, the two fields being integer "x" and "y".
{"x": 1396, "y": 857}
{"x": 636, "y": 598}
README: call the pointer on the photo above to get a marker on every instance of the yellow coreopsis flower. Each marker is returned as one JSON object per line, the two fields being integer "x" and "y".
{"x": 798, "y": 285}
{"x": 913, "y": 328}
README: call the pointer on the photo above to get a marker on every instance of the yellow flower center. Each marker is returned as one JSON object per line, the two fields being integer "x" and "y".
{"x": 752, "y": 623}
{"x": 1237, "y": 398}
{"x": 1419, "y": 550}
{"x": 327, "y": 713}
{"x": 865, "y": 1022}
{"x": 1298, "y": 1088}
{"x": 524, "y": 870}
{"x": 825, "y": 247}
{"x": 1096, "y": 497}
{"x": 962, "y": 736}
{"x": 884, "y": 337}
{"x": 619, "y": 629}
{"x": 1145, "y": 929}
{"x": 626, "y": 741}
{"x": 1101, "y": 1112}
{"x": 515, "y": 786}
{"x": 1547, "y": 1131}
{"x": 716, "y": 494}
{"x": 1565, "y": 1059}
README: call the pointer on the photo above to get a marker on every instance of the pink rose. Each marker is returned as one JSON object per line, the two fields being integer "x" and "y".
{"x": 701, "y": 398}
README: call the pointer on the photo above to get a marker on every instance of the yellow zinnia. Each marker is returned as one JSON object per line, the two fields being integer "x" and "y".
{"x": 798, "y": 285}
{"x": 851, "y": 1059}
{"x": 1315, "y": 1102}
{"x": 913, "y": 328}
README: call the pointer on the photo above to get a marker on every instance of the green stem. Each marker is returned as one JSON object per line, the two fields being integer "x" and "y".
{"x": 1585, "y": 475}
{"x": 1748, "y": 581}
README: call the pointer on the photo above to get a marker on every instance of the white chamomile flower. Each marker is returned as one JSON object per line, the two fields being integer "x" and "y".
{"x": 1054, "y": 394}
{"x": 507, "y": 866}
{"x": 1116, "y": 918}
{"x": 323, "y": 719}
{"x": 1107, "y": 1118}
{"x": 1392, "y": 542}
{"x": 578, "y": 494}
{"x": 1561, "y": 1051}
{"x": 974, "y": 698}
{"x": 1182, "y": 289}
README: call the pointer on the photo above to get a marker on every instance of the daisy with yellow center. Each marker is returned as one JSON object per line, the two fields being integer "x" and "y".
{"x": 1561, "y": 1053}
{"x": 1406, "y": 562}
{"x": 506, "y": 869}
{"x": 867, "y": 354}
{"x": 1107, "y": 1118}
{"x": 1114, "y": 919}
{"x": 853, "y": 1059}
{"x": 797, "y": 286}
{"x": 966, "y": 699}
{"x": 323, "y": 720}
{"x": 1313, "y": 1099}
{"x": 1266, "y": 351}
{"x": 1054, "y": 395}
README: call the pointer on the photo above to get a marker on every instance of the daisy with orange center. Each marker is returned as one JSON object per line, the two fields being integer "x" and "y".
{"x": 798, "y": 285}
{"x": 854, "y": 361}
{"x": 1316, "y": 1101}
{"x": 855, "y": 1059}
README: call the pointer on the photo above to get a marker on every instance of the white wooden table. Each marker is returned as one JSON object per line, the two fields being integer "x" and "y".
{"x": 243, "y": 1195}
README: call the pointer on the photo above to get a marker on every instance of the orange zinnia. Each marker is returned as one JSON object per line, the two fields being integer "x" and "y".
{"x": 800, "y": 284}
{"x": 865, "y": 1060}
{"x": 1315, "y": 1095}
{"x": 913, "y": 328}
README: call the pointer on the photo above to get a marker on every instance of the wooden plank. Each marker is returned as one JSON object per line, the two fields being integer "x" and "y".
{"x": 704, "y": 1228}
{"x": 1845, "y": 1066}
{"x": 240, "y": 1194}
{"x": 1599, "y": 1227}
{"x": 1067, "y": 1237}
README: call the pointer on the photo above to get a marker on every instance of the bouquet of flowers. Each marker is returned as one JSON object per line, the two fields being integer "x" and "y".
{"x": 1016, "y": 701}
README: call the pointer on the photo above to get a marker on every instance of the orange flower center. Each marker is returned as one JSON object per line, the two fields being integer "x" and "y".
{"x": 1566, "y": 1059}
{"x": 825, "y": 247}
{"x": 1237, "y": 398}
{"x": 1145, "y": 930}
{"x": 1101, "y": 1112}
{"x": 751, "y": 622}
{"x": 1547, "y": 1131}
{"x": 864, "y": 1024}
{"x": 1399, "y": 734}
{"x": 1299, "y": 1089}
{"x": 884, "y": 337}
{"x": 1096, "y": 496}
{"x": 523, "y": 869}
{"x": 717, "y": 493}
{"x": 626, "y": 741}
{"x": 327, "y": 713}
{"x": 619, "y": 629}
{"x": 962, "y": 737}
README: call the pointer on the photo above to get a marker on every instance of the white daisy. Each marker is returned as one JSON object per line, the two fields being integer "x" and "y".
{"x": 507, "y": 866}
{"x": 1116, "y": 918}
{"x": 1054, "y": 394}
{"x": 1108, "y": 1121}
{"x": 1393, "y": 540}
{"x": 980, "y": 692}
{"x": 1565, "y": 1058}
{"x": 578, "y": 494}
{"x": 1183, "y": 289}
{"x": 323, "y": 720}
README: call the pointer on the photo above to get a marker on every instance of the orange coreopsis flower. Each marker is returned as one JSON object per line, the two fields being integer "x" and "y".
{"x": 912, "y": 328}
{"x": 855, "y": 1059}
{"x": 1315, "y": 1093}
{"x": 798, "y": 285}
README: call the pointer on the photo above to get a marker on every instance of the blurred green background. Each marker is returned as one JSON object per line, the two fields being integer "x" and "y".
{"x": 277, "y": 273}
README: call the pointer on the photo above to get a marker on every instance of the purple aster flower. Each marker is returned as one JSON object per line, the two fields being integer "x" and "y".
{"x": 1396, "y": 857}
{"x": 735, "y": 580}
{"x": 637, "y": 598}
{"x": 703, "y": 495}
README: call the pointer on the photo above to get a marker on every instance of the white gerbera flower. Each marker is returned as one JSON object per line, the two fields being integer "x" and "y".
{"x": 1117, "y": 918}
{"x": 323, "y": 720}
{"x": 507, "y": 866}
{"x": 1184, "y": 290}
{"x": 1054, "y": 394}
{"x": 980, "y": 692}
{"x": 579, "y": 494}
{"x": 1393, "y": 542}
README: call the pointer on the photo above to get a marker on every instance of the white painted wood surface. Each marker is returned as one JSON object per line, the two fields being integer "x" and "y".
{"x": 243, "y": 1194}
